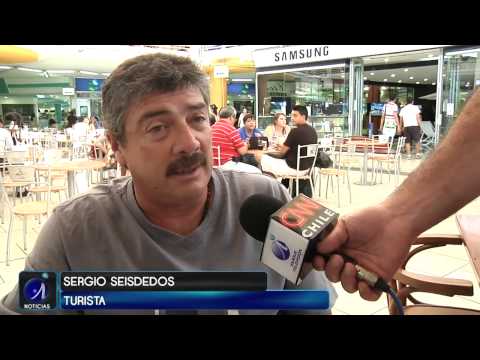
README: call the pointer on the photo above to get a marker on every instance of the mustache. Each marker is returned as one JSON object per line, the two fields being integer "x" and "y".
{"x": 187, "y": 162}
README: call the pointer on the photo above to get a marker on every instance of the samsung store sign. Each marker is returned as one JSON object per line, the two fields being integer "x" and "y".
{"x": 314, "y": 53}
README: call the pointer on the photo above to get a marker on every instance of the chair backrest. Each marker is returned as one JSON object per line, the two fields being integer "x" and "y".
{"x": 52, "y": 155}
{"x": 16, "y": 157}
{"x": 310, "y": 152}
{"x": 21, "y": 173}
{"x": 400, "y": 145}
{"x": 326, "y": 144}
{"x": 427, "y": 128}
{"x": 216, "y": 156}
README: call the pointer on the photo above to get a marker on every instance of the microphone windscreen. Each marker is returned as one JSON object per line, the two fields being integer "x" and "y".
{"x": 255, "y": 214}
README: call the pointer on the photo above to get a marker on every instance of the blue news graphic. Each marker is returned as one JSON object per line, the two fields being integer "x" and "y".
{"x": 36, "y": 290}
{"x": 280, "y": 250}
{"x": 199, "y": 300}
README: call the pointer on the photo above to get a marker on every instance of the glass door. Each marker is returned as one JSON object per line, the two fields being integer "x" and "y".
{"x": 461, "y": 75}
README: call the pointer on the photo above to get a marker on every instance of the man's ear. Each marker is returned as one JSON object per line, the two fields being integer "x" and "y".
{"x": 118, "y": 149}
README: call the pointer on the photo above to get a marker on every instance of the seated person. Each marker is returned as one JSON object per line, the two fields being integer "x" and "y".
{"x": 303, "y": 134}
{"x": 249, "y": 130}
{"x": 278, "y": 131}
{"x": 226, "y": 136}
{"x": 52, "y": 124}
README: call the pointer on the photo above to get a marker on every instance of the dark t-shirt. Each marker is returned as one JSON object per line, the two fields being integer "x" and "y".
{"x": 301, "y": 135}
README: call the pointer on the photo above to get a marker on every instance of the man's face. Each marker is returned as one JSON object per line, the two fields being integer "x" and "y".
{"x": 168, "y": 145}
{"x": 297, "y": 118}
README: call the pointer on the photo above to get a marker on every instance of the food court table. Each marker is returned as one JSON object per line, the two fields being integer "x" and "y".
{"x": 71, "y": 167}
{"x": 366, "y": 144}
{"x": 469, "y": 226}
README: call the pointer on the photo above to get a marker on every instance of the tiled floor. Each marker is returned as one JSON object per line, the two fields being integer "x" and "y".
{"x": 449, "y": 261}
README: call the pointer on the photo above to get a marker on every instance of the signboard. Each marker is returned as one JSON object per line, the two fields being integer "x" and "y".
{"x": 301, "y": 54}
{"x": 220, "y": 71}
{"x": 68, "y": 91}
{"x": 85, "y": 84}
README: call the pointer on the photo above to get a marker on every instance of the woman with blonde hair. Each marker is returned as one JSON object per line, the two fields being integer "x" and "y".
{"x": 278, "y": 131}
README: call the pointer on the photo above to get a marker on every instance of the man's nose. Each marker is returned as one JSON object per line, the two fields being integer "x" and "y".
{"x": 186, "y": 142}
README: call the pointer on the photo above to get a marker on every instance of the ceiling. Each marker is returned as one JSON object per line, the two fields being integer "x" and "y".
{"x": 94, "y": 58}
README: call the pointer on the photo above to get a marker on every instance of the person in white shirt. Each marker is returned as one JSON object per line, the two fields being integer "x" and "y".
{"x": 390, "y": 123}
{"x": 6, "y": 142}
{"x": 410, "y": 119}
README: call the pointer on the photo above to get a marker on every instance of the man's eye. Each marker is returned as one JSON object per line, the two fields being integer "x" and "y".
{"x": 200, "y": 119}
{"x": 157, "y": 128}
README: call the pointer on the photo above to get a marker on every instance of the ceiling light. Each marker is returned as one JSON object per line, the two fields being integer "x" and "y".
{"x": 386, "y": 60}
{"x": 430, "y": 55}
{"x": 418, "y": 82}
{"x": 5, "y": 97}
{"x": 425, "y": 79}
{"x": 372, "y": 73}
{"x": 434, "y": 84}
{"x": 411, "y": 77}
{"x": 384, "y": 88}
{"x": 242, "y": 80}
{"x": 32, "y": 70}
{"x": 88, "y": 72}
{"x": 45, "y": 74}
{"x": 106, "y": 74}
{"x": 61, "y": 71}
{"x": 385, "y": 79}
{"x": 366, "y": 88}
{"x": 393, "y": 75}
{"x": 365, "y": 78}
{"x": 399, "y": 81}
{"x": 5, "y": 67}
{"x": 405, "y": 70}
{"x": 41, "y": 96}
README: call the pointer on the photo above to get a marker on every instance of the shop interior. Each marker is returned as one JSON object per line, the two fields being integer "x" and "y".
{"x": 322, "y": 90}
{"x": 403, "y": 75}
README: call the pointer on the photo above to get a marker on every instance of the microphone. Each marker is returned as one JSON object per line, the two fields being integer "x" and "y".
{"x": 290, "y": 232}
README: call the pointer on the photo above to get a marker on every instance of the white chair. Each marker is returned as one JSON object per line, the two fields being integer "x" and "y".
{"x": 382, "y": 148}
{"x": 391, "y": 160}
{"x": 216, "y": 156}
{"x": 24, "y": 210}
{"x": 310, "y": 152}
{"x": 338, "y": 171}
{"x": 428, "y": 135}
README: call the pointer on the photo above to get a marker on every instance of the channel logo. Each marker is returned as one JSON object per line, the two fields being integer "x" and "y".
{"x": 37, "y": 290}
{"x": 280, "y": 250}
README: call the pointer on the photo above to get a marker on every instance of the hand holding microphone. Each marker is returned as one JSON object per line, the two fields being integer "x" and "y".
{"x": 283, "y": 227}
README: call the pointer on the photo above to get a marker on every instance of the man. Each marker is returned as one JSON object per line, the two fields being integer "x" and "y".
{"x": 379, "y": 237}
{"x": 410, "y": 119}
{"x": 303, "y": 134}
{"x": 389, "y": 122}
{"x": 225, "y": 135}
{"x": 174, "y": 213}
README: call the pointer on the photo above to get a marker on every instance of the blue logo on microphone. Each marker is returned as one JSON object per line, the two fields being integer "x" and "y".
{"x": 280, "y": 250}
{"x": 36, "y": 290}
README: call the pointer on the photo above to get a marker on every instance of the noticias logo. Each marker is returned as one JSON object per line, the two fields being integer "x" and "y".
{"x": 37, "y": 293}
{"x": 280, "y": 250}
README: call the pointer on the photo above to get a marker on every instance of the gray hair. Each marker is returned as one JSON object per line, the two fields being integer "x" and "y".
{"x": 142, "y": 76}
{"x": 227, "y": 112}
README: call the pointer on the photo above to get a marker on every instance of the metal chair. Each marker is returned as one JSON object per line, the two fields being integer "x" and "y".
{"x": 216, "y": 156}
{"x": 310, "y": 152}
{"x": 337, "y": 171}
{"x": 26, "y": 209}
{"x": 391, "y": 159}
